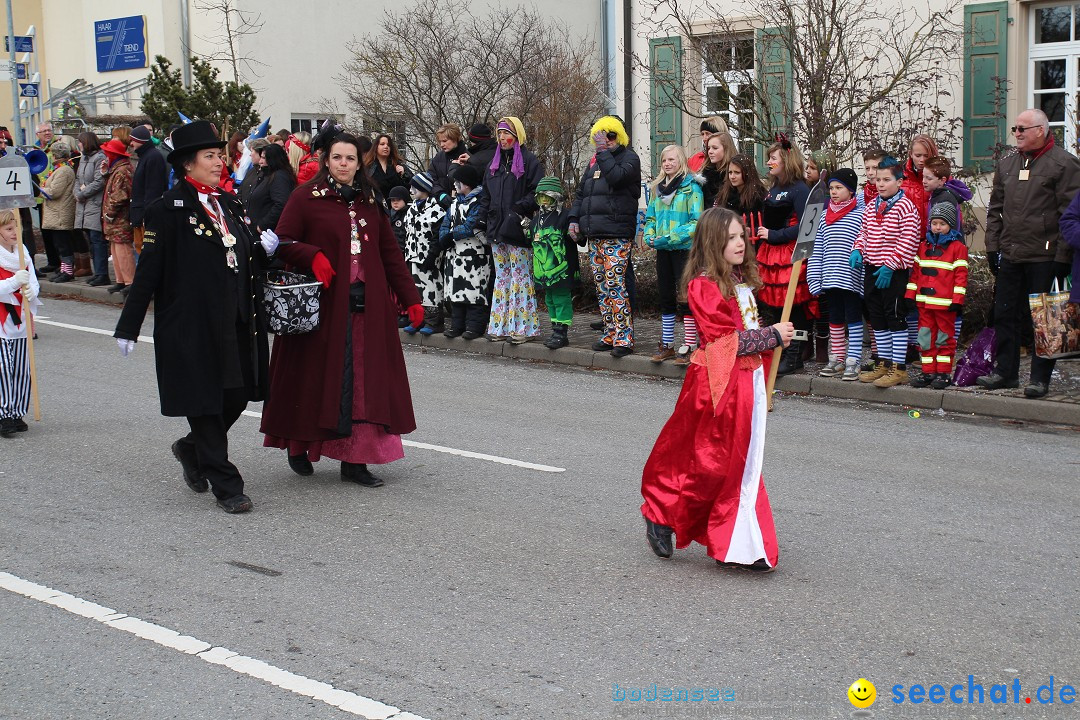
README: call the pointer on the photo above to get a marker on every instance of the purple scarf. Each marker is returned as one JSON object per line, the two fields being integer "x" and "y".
{"x": 517, "y": 166}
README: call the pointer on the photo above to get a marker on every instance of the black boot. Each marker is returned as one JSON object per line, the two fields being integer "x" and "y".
{"x": 558, "y": 337}
{"x": 301, "y": 465}
{"x": 659, "y": 538}
{"x": 359, "y": 474}
{"x": 790, "y": 359}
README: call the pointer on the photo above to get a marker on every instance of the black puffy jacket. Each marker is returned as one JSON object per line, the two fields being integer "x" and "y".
{"x": 442, "y": 170}
{"x": 504, "y": 192}
{"x": 607, "y": 200}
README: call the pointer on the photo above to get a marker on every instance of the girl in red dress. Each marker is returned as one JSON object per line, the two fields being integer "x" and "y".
{"x": 703, "y": 481}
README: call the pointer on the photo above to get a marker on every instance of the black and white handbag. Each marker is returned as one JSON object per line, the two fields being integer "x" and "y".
{"x": 291, "y": 301}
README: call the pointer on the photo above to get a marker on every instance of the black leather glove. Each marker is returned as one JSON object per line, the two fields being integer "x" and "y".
{"x": 993, "y": 259}
{"x": 956, "y": 308}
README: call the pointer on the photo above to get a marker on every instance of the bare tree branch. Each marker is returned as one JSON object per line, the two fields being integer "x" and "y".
{"x": 235, "y": 25}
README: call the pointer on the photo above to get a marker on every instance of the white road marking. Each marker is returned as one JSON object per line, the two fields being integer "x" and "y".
{"x": 349, "y": 702}
{"x": 406, "y": 443}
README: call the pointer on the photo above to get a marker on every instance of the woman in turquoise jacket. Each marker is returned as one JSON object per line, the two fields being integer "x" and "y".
{"x": 677, "y": 203}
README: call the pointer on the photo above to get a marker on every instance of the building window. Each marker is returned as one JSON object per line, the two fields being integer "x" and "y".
{"x": 1054, "y": 67}
{"x": 303, "y": 122}
{"x": 728, "y": 85}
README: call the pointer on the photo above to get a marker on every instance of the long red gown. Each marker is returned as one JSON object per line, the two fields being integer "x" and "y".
{"x": 703, "y": 477}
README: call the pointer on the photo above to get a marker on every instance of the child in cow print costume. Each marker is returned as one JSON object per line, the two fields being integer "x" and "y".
{"x": 467, "y": 266}
{"x": 423, "y": 252}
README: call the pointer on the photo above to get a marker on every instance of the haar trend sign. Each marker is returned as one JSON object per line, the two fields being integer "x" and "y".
{"x": 120, "y": 44}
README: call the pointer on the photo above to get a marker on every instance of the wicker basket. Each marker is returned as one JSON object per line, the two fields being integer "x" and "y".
{"x": 291, "y": 301}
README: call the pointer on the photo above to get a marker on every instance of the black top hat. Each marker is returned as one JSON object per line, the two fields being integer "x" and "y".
{"x": 197, "y": 135}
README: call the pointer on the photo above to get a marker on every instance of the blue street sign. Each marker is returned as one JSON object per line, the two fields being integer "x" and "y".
{"x": 23, "y": 43}
{"x": 28, "y": 89}
{"x": 21, "y": 71}
{"x": 120, "y": 43}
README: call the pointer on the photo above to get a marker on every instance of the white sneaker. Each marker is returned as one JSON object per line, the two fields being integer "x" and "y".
{"x": 851, "y": 370}
{"x": 832, "y": 369}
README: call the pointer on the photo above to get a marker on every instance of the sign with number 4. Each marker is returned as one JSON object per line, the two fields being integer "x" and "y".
{"x": 16, "y": 190}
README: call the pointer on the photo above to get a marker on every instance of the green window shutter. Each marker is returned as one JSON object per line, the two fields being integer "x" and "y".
{"x": 665, "y": 88}
{"x": 985, "y": 68}
{"x": 775, "y": 81}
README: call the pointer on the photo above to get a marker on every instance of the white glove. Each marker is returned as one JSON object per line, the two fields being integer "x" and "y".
{"x": 126, "y": 346}
{"x": 22, "y": 277}
{"x": 269, "y": 241}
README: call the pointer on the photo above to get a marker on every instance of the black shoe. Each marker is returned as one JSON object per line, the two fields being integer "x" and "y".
{"x": 359, "y": 474}
{"x": 621, "y": 351}
{"x": 98, "y": 281}
{"x": 996, "y": 382}
{"x": 471, "y": 335}
{"x": 20, "y": 425}
{"x": 1036, "y": 390}
{"x": 558, "y": 337}
{"x": 117, "y": 287}
{"x": 125, "y": 291}
{"x": 7, "y": 427}
{"x": 921, "y": 380}
{"x": 790, "y": 359}
{"x": 941, "y": 381}
{"x": 597, "y": 325}
{"x": 403, "y": 321}
{"x": 49, "y": 269}
{"x": 301, "y": 465}
{"x": 601, "y": 346}
{"x": 235, "y": 504}
{"x": 659, "y": 538}
{"x": 62, "y": 278}
{"x": 186, "y": 455}
{"x": 453, "y": 332}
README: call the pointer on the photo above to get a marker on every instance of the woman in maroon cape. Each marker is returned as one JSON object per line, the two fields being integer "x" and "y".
{"x": 703, "y": 481}
{"x": 342, "y": 390}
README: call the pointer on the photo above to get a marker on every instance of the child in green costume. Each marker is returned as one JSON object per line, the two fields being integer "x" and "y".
{"x": 555, "y": 258}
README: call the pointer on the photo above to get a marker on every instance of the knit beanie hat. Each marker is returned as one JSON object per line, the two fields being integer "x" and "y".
{"x": 468, "y": 176}
{"x": 479, "y": 131}
{"x": 944, "y": 211}
{"x": 423, "y": 182}
{"x": 399, "y": 192}
{"x": 846, "y": 177}
{"x": 141, "y": 134}
{"x": 550, "y": 186}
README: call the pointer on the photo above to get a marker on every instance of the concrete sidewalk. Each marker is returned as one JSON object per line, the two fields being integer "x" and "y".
{"x": 1060, "y": 407}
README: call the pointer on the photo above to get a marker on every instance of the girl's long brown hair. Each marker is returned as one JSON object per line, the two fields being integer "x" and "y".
{"x": 792, "y": 165}
{"x": 707, "y": 254}
{"x": 371, "y": 156}
{"x": 752, "y": 193}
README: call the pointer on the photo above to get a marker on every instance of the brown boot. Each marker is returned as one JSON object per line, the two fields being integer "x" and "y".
{"x": 82, "y": 265}
{"x": 880, "y": 369}
{"x": 895, "y": 376}
{"x": 663, "y": 352}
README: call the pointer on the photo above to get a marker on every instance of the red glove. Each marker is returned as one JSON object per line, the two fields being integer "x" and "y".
{"x": 321, "y": 267}
{"x": 416, "y": 315}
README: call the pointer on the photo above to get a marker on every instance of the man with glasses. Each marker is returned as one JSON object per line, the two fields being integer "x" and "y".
{"x": 1032, "y": 188}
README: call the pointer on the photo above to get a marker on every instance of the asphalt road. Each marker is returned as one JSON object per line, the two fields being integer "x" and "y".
{"x": 912, "y": 551}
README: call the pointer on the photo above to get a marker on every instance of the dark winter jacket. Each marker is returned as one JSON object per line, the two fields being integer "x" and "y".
{"x": 251, "y": 180}
{"x": 607, "y": 200}
{"x": 183, "y": 269}
{"x": 268, "y": 199}
{"x": 442, "y": 169}
{"x": 1022, "y": 216}
{"x": 150, "y": 182}
{"x": 711, "y": 182}
{"x": 480, "y": 156}
{"x": 954, "y": 192}
{"x": 386, "y": 180}
{"x": 782, "y": 211}
{"x": 397, "y": 222}
{"x": 504, "y": 192}
{"x": 1070, "y": 232}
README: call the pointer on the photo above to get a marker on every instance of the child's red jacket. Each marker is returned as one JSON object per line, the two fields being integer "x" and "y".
{"x": 939, "y": 277}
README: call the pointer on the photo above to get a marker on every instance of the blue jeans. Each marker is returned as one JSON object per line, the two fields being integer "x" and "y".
{"x": 99, "y": 252}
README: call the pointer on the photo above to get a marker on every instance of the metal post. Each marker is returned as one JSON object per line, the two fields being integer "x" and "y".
{"x": 19, "y": 135}
{"x": 185, "y": 42}
{"x": 35, "y": 102}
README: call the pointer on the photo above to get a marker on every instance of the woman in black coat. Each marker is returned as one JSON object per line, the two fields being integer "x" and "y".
{"x": 385, "y": 167}
{"x": 452, "y": 153}
{"x": 199, "y": 265}
{"x": 268, "y": 199}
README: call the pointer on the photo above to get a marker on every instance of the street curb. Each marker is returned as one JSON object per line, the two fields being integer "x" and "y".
{"x": 986, "y": 403}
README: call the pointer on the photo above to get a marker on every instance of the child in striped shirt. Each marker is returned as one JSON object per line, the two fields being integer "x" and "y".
{"x": 17, "y": 281}
{"x": 885, "y": 247}
{"x": 829, "y": 273}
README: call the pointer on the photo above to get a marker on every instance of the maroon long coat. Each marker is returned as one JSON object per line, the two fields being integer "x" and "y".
{"x": 306, "y": 370}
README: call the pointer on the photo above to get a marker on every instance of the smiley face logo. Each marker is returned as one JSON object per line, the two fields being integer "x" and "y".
{"x": 862, "y": 693}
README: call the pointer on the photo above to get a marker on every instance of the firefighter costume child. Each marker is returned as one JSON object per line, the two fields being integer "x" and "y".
{"x": 938, "y": 285}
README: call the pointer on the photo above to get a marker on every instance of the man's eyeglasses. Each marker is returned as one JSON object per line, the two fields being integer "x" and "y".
{"x": 1018, "y": 129}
